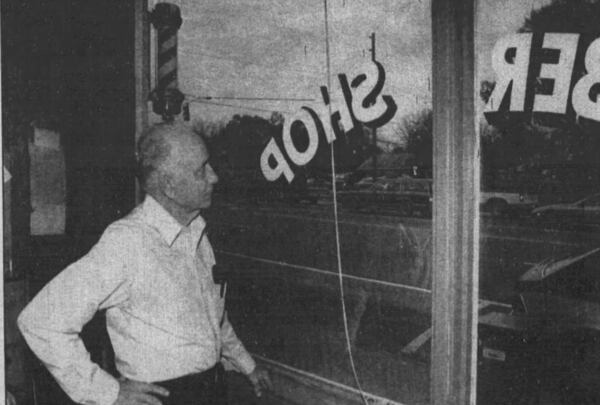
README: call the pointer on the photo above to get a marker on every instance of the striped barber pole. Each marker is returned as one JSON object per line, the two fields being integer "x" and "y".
{"x": 166, "y": 97}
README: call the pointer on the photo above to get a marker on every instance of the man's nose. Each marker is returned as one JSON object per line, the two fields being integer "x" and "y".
{"x": 212, "y": 176}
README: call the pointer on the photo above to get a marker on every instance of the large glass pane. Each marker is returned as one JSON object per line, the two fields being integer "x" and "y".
{"x": 254, "y": 73}
{"x": 539, "y": 275}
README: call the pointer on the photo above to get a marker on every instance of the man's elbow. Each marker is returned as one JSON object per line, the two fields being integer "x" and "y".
{"x": 25, "y": 322}
{"x": 31, "y": 330}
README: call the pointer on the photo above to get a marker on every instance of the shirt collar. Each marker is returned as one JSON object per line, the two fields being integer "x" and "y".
{"x": 159, "y": 218}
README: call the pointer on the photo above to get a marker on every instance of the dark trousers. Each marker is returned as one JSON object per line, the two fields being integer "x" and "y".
{"x": 206, "y": 388}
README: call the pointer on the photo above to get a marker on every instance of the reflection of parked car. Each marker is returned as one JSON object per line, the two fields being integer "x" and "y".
{"x": 581, "y": 212}
{"x": 556, "y": 320}
{"x": 498, "y": 202}
{"x": 564, "y": 290}
{"x": 416, "y": 194}
{"x": 410, "y": 195}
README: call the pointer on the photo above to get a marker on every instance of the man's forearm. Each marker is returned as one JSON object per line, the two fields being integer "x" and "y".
{"x": 234, "y": 350}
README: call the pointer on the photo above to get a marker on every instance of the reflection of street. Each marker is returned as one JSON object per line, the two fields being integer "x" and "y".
{"x": 285, "y": 298}
{"x": 294, "y": 317}
{"x": 508, "y": 244}
{"x": 284, "y": 254}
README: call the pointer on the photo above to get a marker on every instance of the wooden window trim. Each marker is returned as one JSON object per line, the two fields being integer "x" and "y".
{"x": 142, "y": 73}
{"x": 455, "y": 206}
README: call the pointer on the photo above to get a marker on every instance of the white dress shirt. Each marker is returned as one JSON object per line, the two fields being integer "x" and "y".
{"x": 165, "y": 315}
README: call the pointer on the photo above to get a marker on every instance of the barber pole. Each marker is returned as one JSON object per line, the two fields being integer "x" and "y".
{"x": 166, "y": 97}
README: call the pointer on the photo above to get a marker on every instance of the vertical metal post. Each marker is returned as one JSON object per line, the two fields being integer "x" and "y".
{"x": 374, "y": 134}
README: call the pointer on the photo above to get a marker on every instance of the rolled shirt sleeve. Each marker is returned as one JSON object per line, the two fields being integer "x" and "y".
{"x": 52, "y": 321}
{"x": 233, "y": 350}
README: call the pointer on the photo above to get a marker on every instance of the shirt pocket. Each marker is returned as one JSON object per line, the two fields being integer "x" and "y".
{"x": 211, "y": 290}
{"x": 169, "y": 289}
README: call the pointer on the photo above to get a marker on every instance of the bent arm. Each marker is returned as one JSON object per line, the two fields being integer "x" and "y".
{"x": 52, "y": 321}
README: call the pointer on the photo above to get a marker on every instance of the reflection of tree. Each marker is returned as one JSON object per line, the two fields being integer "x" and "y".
{"x": 532, "y": 140}
{"x": 485, "y": 90}
{"x": 236, "y": 148}
{"x": 351, "y": 149}
{"x": 579, "y": 16}
{"x": 417, "y": 131}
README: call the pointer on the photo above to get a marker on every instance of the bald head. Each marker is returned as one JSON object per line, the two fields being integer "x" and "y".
{"x": 155, "y": 148}
{"x": 174, "y": 168}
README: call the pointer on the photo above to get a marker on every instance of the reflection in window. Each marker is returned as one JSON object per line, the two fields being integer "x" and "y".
{"x": 245, "y": 81}
{"x": 539, "y": 270}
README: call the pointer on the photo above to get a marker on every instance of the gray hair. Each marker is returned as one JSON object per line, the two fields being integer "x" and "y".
{"x": 153, "y": 149}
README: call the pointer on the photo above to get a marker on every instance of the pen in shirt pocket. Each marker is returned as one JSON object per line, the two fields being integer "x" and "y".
{"x": 220, "y": 277}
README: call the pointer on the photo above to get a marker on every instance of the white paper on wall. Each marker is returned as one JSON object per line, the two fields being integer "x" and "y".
{"x": 48, "y": 183}
{"x": 6, "y": 175}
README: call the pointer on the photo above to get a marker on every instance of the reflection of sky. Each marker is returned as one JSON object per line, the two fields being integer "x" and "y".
{"x": 276, "y": 48}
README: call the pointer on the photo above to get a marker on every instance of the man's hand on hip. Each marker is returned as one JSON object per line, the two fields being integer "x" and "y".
{"x": 260, "y": 380}
{"x": 139, "y": 393}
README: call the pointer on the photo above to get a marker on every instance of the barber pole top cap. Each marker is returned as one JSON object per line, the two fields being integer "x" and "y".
{"x": 166, "y": 15}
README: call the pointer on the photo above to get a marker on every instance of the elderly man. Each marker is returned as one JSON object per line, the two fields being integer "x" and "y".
{"x": 152, "y": 272}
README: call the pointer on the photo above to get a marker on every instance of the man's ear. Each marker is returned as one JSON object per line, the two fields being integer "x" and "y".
{"x": 166, "y": 184}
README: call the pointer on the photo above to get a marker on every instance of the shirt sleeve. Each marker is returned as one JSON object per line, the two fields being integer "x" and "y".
{"x": 233, "y": 349}
{"x": 52, "y": 321}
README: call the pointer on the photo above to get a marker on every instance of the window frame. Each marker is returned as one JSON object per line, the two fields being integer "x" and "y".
{"x": 455, "y": 206}
{"x": 455, "y": 181}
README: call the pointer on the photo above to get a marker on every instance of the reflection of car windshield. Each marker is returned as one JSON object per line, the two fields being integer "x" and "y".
{"x": 416, "y": 187}
{"x": 576, "y": 275}
{"x": 592, "y": 200}
{"x": 411, "y": 186}
{"x": 364, "y": 184}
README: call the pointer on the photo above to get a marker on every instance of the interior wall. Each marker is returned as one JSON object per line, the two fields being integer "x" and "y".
{"x": 67, "y": 66}
{"x": 98, "y": 112}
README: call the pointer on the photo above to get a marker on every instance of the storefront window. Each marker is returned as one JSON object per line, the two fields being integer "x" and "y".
{"x": 270, "y": 84}
{"x": 539, "y": 279}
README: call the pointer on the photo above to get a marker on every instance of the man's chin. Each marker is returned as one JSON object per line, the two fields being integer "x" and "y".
{"x": 206, "y": 204}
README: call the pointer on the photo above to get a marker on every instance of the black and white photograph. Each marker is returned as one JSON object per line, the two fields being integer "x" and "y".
{"x": 301, "y": 202}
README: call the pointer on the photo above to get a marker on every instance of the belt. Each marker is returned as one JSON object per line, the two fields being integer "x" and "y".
{"x": 207, "y": 387}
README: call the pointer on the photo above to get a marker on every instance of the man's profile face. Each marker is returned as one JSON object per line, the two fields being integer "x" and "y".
{"x": 191, "y": 176}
